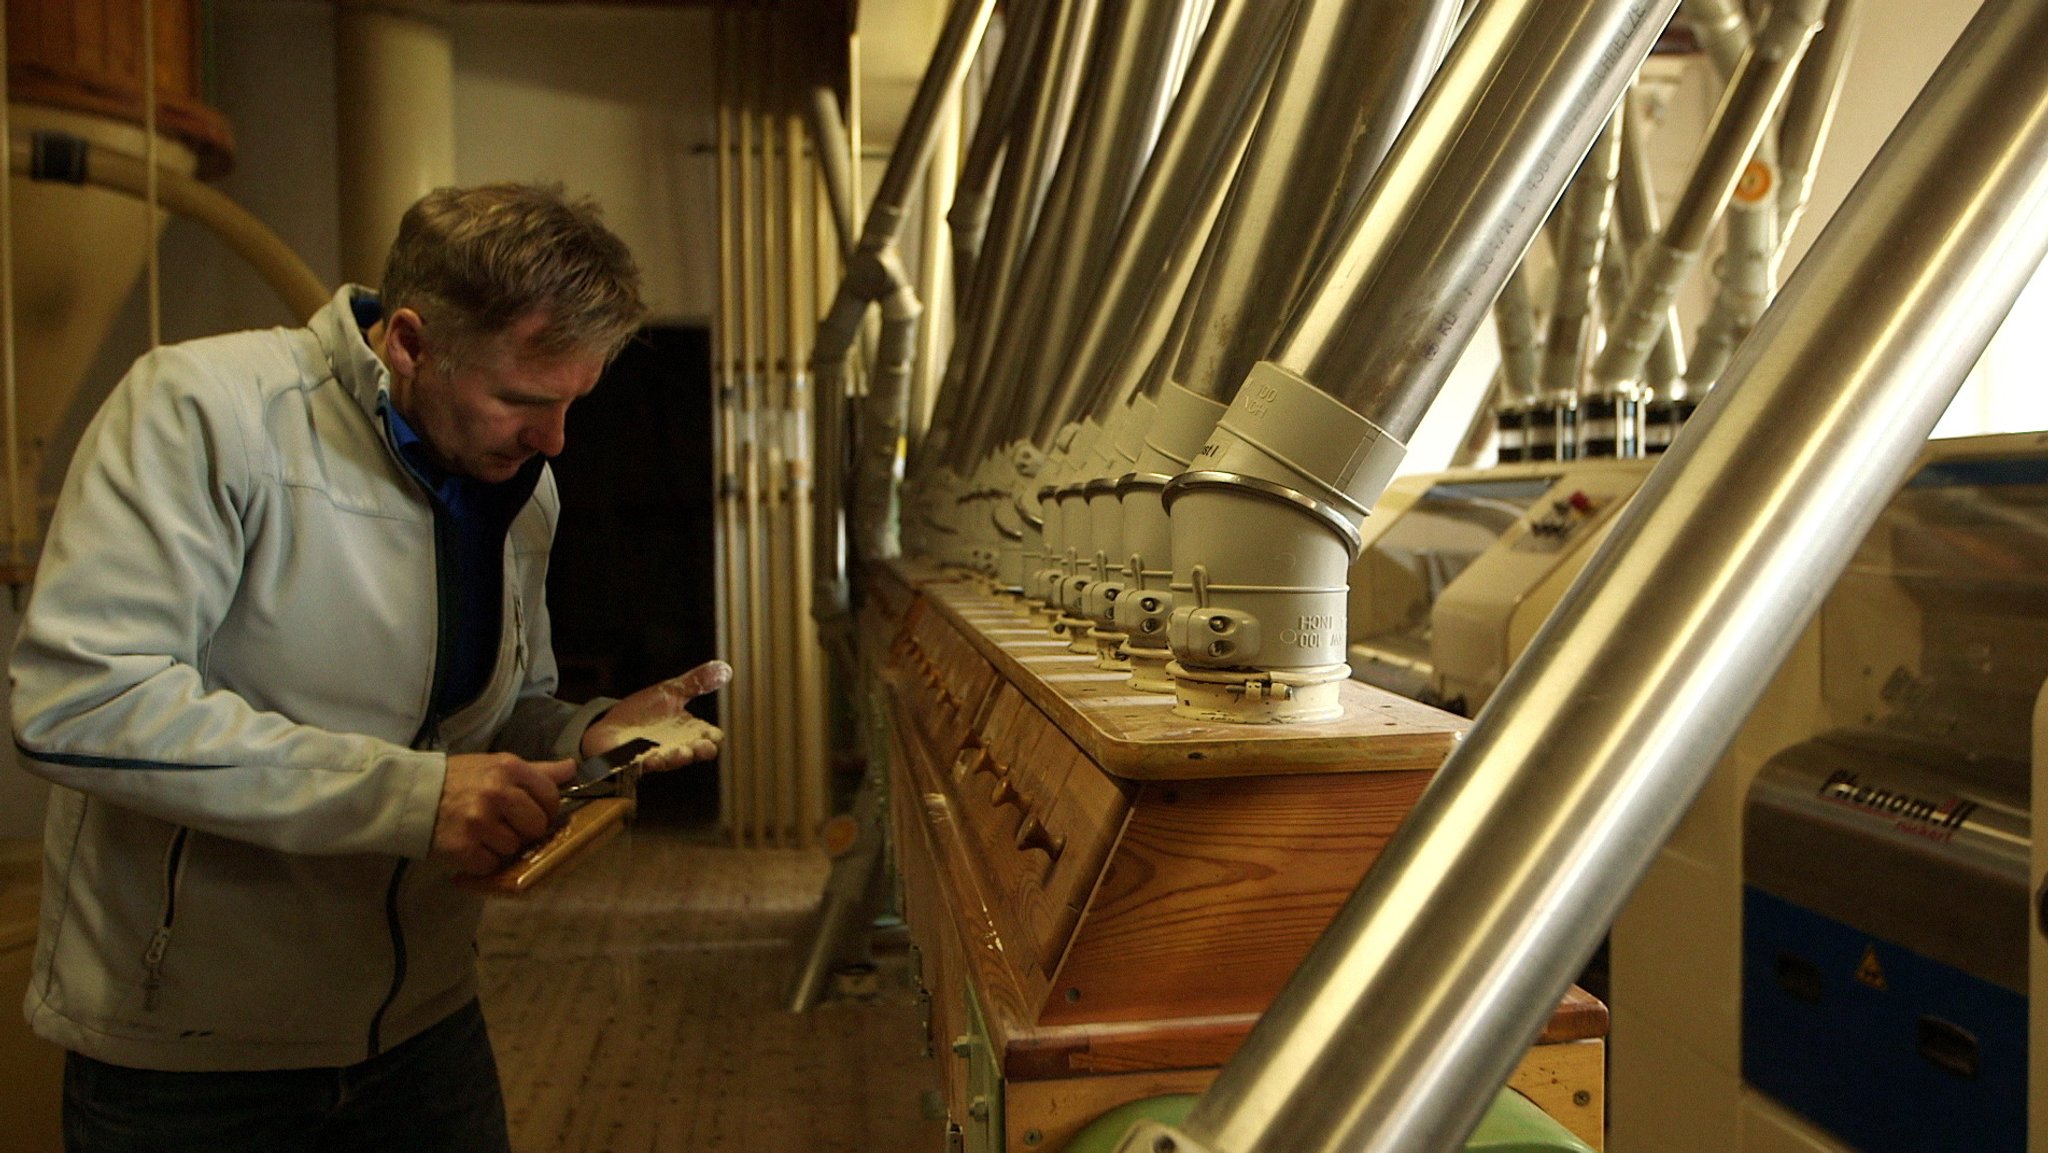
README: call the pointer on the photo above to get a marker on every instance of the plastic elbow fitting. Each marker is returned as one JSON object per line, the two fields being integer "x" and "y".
{"x": 1264, "y": 530}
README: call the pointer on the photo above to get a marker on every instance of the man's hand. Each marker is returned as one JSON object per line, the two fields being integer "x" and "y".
{"x": 660, "y": 713}
{"x": 493, "y": 805}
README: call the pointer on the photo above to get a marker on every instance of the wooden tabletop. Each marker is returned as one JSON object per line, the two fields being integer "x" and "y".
{"x": 1137, "y": 735}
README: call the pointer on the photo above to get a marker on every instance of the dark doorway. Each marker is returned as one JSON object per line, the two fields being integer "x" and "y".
{"x": 632, "y": 583}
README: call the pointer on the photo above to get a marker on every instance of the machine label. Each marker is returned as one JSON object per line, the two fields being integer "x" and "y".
{"x": 1938, "y": 819}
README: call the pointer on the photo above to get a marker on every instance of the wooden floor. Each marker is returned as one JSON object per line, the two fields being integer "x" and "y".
{"x": 635, "y": 1003}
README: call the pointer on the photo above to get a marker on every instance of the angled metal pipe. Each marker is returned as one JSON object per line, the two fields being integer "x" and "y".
{"x": 1514, "y": 314}
{"x": 1747, "y": 270}
{"x": 1266, "y": 525}
{"x": 1440, "y": 971}
{"x": 875, "y": 274}
{"x": 1176, "y": 200}
{"x": 1810, "y": 111}
{"x": 1722, "y": 28}
{"x": 1452, "y": 217}
{"x": 1751, "y": 99}
{"x": 1636, "y": 214}
{"x": 978, "y": 197}
{"x": 1031, "y": 159}
{"x": 1136, "y": 78}
{"x": 1327, "y": 116}
{"x": 1582, "y": 244}
{"x": 1127, "y": 59}
{"x": 974, "y": 195}
{"x": 835, "y": 161}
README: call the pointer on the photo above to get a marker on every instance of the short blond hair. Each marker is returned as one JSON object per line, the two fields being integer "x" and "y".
{"x": 474, "y": 261}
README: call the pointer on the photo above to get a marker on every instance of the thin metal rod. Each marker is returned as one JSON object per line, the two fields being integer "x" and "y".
{"x": 724, "y": 398}
{"x": 800, "y": 253}
{"x": 778, "y": 663}
{"x": 755, "y": 721}
{"x": 17, "y": 521}
{"x": 1440, "y": 971}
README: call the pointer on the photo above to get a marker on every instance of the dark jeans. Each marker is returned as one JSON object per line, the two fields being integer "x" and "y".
{"x": 437, "y": 1093}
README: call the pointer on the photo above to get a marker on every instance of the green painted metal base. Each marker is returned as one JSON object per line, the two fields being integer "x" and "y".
{"x": 1513, "y": 1125}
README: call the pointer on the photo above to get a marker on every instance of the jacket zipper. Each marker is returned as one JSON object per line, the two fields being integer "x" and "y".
{"x": 160, "y": 941}
{"x": 397, "y": 927}
{"x": 429, "y": 734}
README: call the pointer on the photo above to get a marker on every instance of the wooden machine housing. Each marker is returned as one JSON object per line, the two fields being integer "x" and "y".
{"x": 1104, "y": 895}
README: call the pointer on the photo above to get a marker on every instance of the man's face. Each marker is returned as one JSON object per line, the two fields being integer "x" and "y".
{"x": 497, "y": 409}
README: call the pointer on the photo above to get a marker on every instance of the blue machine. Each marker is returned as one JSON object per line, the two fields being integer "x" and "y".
{"x": 1886, "y": 909}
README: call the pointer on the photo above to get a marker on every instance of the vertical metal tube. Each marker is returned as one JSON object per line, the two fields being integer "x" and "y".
{"x": 779, "y": 662}
{"x": 1442, "y": 968}
{"x": 1324, "y": 116}
{"x": 1739, "y": 124}
{"x": 731, "y": 584}
{"x": 754, "y": 723}
{"x": 800, "y": 249}
{"x": 17, "y": 509}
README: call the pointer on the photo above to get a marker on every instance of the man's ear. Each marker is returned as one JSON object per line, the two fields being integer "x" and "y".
{"x": 404, "y": 342}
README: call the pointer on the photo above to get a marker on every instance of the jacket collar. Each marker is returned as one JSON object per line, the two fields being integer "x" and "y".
{"x": 348, "y": 355}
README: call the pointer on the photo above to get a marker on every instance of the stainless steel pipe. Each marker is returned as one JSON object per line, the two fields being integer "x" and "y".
{"x": 1810, "y": 111}
{"x": 973, "y": 198}
{"x": 1176, "y": 200}
{"x": 1752, "y": 97}
{"x": 1349, "y": 69}
{"x": 1139, "y": 74}
{"x": 875, "y": 275}
{"x": 1031, "y": 159}
{"x": 1440, "y": 971}
{"x": 1581, "y": 248}
{"x": 1426, "y": 254}
{"x": 1635, "y": 210}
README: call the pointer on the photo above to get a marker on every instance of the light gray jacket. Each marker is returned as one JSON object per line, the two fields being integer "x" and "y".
{"x": 228, "y": 668}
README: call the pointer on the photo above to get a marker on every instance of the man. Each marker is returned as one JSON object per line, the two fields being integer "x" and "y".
{"x": 287, "y": 658}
